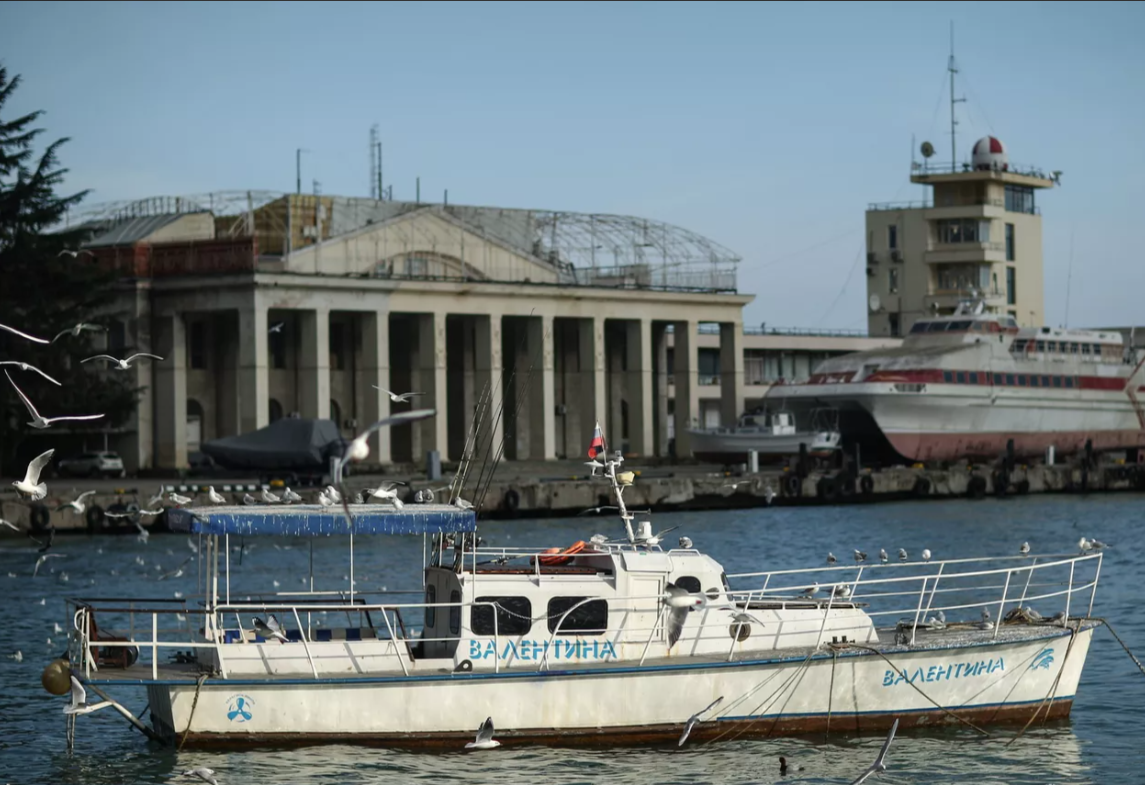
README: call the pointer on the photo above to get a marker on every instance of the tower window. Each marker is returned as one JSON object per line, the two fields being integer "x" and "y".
{"x": 1011, "y": 286}
{"x": 892, "y": 237}
{"x": 1009, "y": 242}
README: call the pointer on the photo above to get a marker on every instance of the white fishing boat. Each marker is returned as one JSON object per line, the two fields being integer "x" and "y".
{"x": 602, "y": 641}
{"x": 771, "y": 434}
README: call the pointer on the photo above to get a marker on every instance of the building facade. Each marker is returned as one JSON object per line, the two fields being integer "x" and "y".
{"x": 524, "y": 326}
{"x": 979, "y": 234}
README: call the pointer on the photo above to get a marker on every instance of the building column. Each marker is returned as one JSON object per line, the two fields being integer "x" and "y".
{"x": 638, "y": 386}
{"x": 731, "y": 373}
{"x": 431, "y": 434}
{"x": 488, "y": 372}
{"x": 542, "y": 409}
{"x": 170, "y": 399}
{"x": 687, "y": 414}
{"x": 376, "y": 374}
{"x": 590, "y": 344}
{"x": 660, "y": 387}
{"x": 253, "y": 386}
{"x": 314, "y": 364}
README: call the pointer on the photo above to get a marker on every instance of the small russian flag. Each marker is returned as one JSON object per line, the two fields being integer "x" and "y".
{"x": 597, "y": 446}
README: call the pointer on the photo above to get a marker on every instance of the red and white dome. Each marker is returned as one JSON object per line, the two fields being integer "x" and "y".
{"x": 989, "y": 153}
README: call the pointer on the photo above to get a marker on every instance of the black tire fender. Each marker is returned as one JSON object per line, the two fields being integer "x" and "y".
{"x": 94, "y": 517}
{"x": 867, "y": 484}
{"x": 792, "y": 486}
{"x": 512, "y": 500}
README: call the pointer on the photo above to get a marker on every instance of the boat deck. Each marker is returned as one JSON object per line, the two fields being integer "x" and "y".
{"x": 953, "y": 636}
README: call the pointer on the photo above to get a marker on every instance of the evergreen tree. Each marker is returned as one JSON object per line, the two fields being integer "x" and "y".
{"x": 44, "y": 291}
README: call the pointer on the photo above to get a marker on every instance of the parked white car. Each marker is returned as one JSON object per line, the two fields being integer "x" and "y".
{"x": 92, "y": 464}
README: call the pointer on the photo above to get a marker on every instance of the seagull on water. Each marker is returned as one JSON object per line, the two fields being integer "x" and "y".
{"x": 122, "y": 365}
{"x": 203, "y": 773}
{"x": 44, "y": 422}
{"x": 398, "y": 397}
{"x": 31, "y": 484}
{"x": 214, "y": 496}
{"x": 880, "y": 764}
{"x": 14, "y": 331}
{"x": 359, "y": 448}
{"x": 1025, "y": 549}
{"x": 268, "y": 629}
{"x": 79, "y": 328}
{"x": 691, "y": 723}
{"x": 27, "y": 367}
{"x": 79, "y": 704}
{"x": 77, "y": 504}
{"x": 485, "y": 740}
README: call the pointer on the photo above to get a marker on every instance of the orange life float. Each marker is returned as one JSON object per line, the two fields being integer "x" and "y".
{"x": 562, "y": 557}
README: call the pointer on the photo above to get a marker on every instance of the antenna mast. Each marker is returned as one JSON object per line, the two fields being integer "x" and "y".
{"x": 953, "y": 120}
{"x": 375, "y": 164}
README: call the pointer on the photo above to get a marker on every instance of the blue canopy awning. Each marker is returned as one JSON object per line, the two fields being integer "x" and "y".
{"x": 313, "y": 519}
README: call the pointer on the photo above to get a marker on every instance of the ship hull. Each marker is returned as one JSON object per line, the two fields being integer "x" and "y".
{"x": 984, "y": 681}
{"x": 728, "y": 446}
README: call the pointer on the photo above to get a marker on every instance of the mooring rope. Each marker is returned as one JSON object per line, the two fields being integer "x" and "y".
{"x": 916, "y": 688}
{"x": 1113, "y": 632}
{"x": 771, "y": 698}
{"x": 198, "y": 686}
{"x": 831, "y": 694}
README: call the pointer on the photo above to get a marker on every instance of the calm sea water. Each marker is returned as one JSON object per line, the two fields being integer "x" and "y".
{"x": 1101, "y": 743}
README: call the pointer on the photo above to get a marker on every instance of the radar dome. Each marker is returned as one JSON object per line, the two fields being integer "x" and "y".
{"x": 990, "y": 154}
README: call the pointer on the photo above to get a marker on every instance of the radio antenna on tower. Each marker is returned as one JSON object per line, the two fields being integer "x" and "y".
{"x": 375, "y": 164}
{"x": 953, "y": 121}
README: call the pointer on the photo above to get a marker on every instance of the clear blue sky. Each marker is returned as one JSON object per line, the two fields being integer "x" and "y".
{"x": 767, "y": 127}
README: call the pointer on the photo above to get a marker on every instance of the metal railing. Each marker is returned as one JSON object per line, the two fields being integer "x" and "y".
{"x": 880, "y": 590}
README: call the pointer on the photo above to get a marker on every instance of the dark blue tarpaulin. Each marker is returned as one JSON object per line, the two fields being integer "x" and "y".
{"x": 312, "y": 519}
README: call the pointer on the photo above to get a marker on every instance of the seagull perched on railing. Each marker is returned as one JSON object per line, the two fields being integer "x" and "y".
{"x": 810, "y": 591}
{"x": 180, "y": 500}
{"x": 903, "y": 555}
{"x": 387, "y": 491}
{"x": 926, "y": 554}
{"x": 214, "y": 496}
{"x": 880, "y": 764}
{"x": 79, "y": 704}
{"x": 860, "y": 557}
{"x": 831, "y": 558}
{"x": 1025, "y": 549}
{"x": 883, "y": 556}
{"x": 269, "y": 497}
{"x": 290, "y": 496}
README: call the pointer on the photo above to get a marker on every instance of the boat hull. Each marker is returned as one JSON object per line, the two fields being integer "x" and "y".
{"x": 729, "y": 446}
{"x": 854, "y": 690}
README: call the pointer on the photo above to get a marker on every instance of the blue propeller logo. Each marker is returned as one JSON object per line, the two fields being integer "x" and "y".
{"x": 238, "y": 710}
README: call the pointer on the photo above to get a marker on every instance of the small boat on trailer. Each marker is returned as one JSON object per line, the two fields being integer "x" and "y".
{"x": 605, "y": 641}
{"x": 771, "y": 434}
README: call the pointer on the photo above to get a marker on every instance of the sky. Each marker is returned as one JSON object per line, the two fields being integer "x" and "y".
{"x": 767, "y": 127}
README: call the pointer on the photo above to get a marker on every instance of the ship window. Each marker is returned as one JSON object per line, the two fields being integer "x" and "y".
{"x": 974, "y": 377}
{"x": 1045, "y": 381}
{"x": 455, "y": 613}
{"x": 919, "y": 327}
{"x": 1069, "y": 382}
{"x": 1075, "y": 348}
{"x": 947, "y": 377}
{"x": 1086, "y": 349}
{"x": 430, "y": 599}
{"x": 936, "y": 327}
{"x": 997, "y": 378}
{"x": 590, "y": 618}
{"x": 1057, "y": 381}
{"x": 1021, "y": 380}
{"x": 958, "y": 327}
{"x": 961, "y": 377}
{"x": 688, "y": 584}
{"x": 1010, "y": 380}
{"x": 1018, "y": 345}
{"x": 1033, "y": 381}
{"x": 514, "y": 616}
{"x": 1051, "y": 346}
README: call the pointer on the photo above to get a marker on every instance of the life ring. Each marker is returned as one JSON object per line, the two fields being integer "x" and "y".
{"x": 921, "y": 487}
{"x": 562, "y": 557}
{"x": 827, "y": 488}
{"x": 512, "y": 500}
{"x": 40, "y": 517}
{"x": 94, "y": 517}
{"x": 792, "y": 486}
{"x": 867, "y": 484}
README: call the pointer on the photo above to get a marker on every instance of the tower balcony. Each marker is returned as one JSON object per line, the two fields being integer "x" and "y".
{"x": 947, "y": 299}
{"x": 965, "y": 253}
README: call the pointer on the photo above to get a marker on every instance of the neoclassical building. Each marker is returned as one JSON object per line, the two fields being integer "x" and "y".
{"x": 531, "y": 324}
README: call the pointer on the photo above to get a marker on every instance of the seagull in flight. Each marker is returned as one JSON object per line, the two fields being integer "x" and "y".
{"x": 203, "y": 773}
{"x": 79, "y": 704}
{"x": 43, "y": 422}
{"x": 359, "y": 449}
{"x": 122, "y": 365}
{"x": 388, "y": 491}
{"x": 14, "y": 331}
{"x": 31, "y": 484}
{"x": 880, "y": 764}
{"x": 74, "y": 254}
{"x": 691, "y": 723}
{"x": 27, "y": 367}
{"x": 79, "y": 328}
{"x": 269, "y": 629}
{"x": 398, "y": 397}
{"x": 484, "y": 740}
{"x": 77, "y": 504}
{"x": 44, "y": 558}
{"x": 679, "y": 601}
{"x": 10, "y": 525}
{"x": 277, "y": 327}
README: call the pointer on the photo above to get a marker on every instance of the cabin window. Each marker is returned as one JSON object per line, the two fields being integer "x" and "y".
{"x": 957, "y": 327}
{"x": 1018, "y": 346}
{"x": 1041, "y": 345}
{"x": 1009, "y": 380}
{"x": 514, "y": 616}
{"x": 1051, "y": 346}
{"x": 589, "y": 618}
{"x": 1057, "y": 381}
{"x": 1045, "y": 381}
{"x": 947, "y": 377}
{"x": 1075, "y": 348}
{"x": 688, "y": 584}
{"x": 1086, "y": 349}
{"x": 1021, "y": 380}
{"x": 974, "y": 377}
{"x": 455, "y": 613}
{"x": 430, "y": 599}
{"x": 1069, "y": 382}
{"x": 962, "y": 377}
{"x": 1033, "y": 381}
{"x": 919, "y": 327}
{"x": 998, "y": 378}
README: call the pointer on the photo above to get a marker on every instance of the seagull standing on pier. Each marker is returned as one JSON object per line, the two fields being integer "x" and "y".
{"x": 31, "y": 485}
